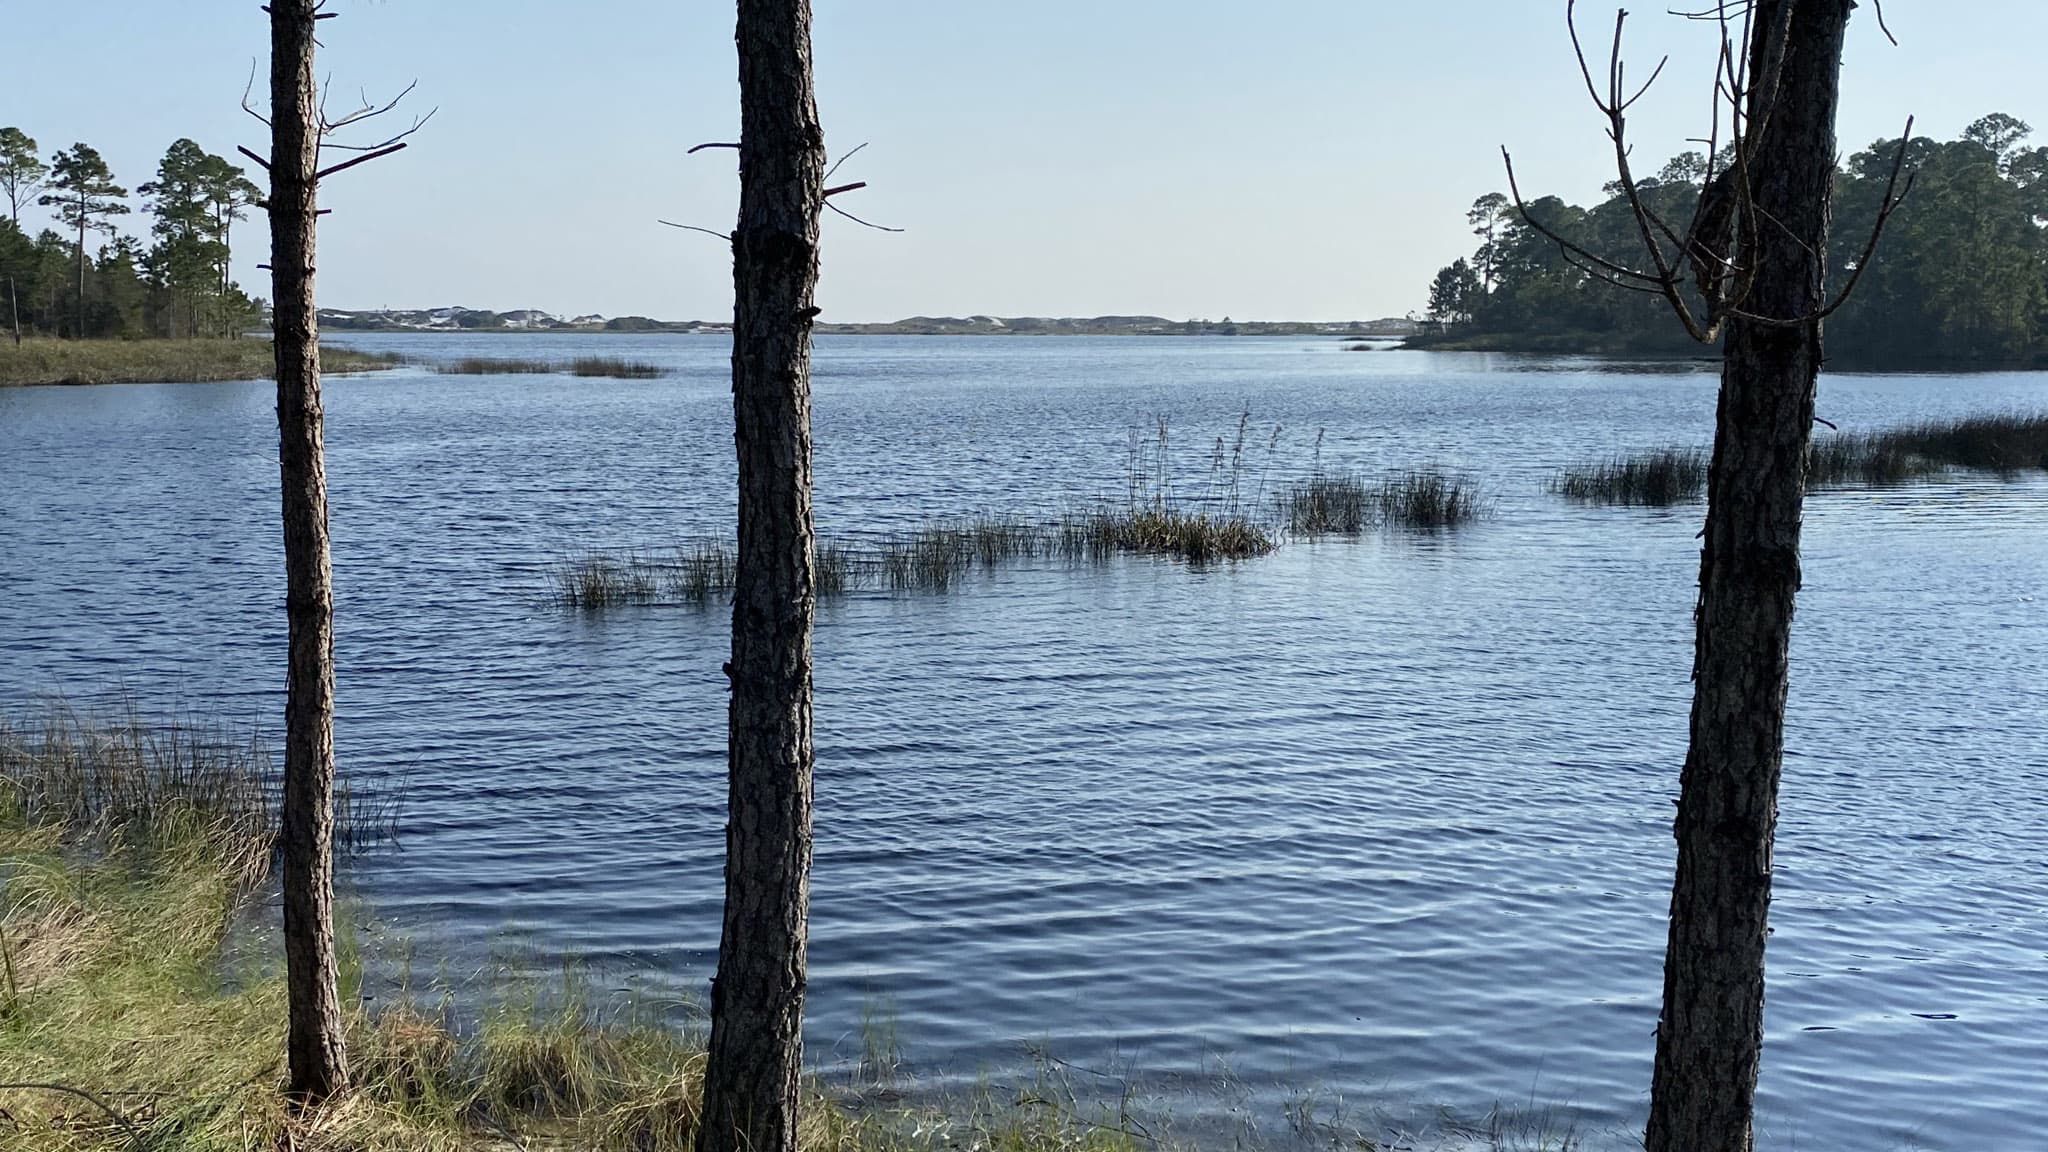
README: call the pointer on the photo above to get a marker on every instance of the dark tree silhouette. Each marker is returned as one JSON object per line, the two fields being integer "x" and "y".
{"x": 751, "y": 1078}
{"x": 1752, "y": 267}
{"x": 318, "y": 1066}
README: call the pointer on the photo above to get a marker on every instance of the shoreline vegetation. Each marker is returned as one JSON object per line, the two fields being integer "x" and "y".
{"x": 2006, "y": 445}
{"x": 133, "y": 1015}
{"x": 1960, "y": 280}
{"x": 162, "y": 361}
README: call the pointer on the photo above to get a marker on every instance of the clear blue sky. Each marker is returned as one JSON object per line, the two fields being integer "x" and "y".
{"x": 1289, "y": 159}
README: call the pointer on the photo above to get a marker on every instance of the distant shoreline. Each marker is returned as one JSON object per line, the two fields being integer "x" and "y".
{"x": 1604, "y": 347}
{"x": 483, "y": 322}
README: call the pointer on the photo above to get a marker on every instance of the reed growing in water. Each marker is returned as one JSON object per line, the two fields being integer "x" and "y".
{"x": 615, "y": 367}
{"x": 2004, "y": 444}
{"x": 1425, "y": 499}
{"x": 1657, "y": 479}
{"x": 589, "y": 366}
{"x": 110, "y": 772}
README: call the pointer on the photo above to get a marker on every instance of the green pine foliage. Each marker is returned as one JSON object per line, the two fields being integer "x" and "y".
{"x": 1960, "y": 274}
{"x": 84, "y": 278}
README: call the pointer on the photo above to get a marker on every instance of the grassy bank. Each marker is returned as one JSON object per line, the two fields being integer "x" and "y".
{"x": 133, "y": 1015}
{"x": 159, "y": 361}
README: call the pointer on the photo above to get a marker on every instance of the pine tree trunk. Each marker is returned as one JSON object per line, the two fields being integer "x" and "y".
{"x": 751, "y": 1078}
{"x": 78, "y": 309}
{"x": 318, "y": 1067}
{"x": 1710, "y": 1036}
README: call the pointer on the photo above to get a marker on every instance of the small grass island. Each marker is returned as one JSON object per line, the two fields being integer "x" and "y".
{"x": 45, "y": 361}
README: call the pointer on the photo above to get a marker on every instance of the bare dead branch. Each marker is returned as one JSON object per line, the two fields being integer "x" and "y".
{"x": 249, "y": 90}
{"x": 712, "y": 144}
{"x": 1614, "y": 106}
{"x": 853, "y": 187}
{"x": 725, "y": 236}
{"x": 859, "y": 221}
{"x": 368, "y": 111}
{"x": 1886, "y": 207}
{"x": 1515, "y": 193}
{"x": 363, "y": 159}
{"x": 384, "y": 143}
{"x": 253, "y": 156}
{"x": 843, "y": 159}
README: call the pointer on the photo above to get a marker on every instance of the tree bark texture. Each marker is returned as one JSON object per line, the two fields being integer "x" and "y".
{"x": 1710, "y": 1036}
{"x": 752, "y": 1077}
{"x": 78, "y": 310}
{"x": 317, "y": 1063}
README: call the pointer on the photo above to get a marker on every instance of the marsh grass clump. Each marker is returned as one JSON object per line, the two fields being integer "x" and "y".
{"x": 1423, "y": 499}
{"x": 1324, "y": 504}
{"x": 588, "y": 366}
{"x": 606, "y": 580}
{"x": 702, "y": 573}
{"x": 931, "y": 558}
{"x": 2005, "y": 445}
{"x": 1198, "y": 537}
{"x": 615, "y": 367}
{"x": 1658, "y": 479}
{"x": 495, "y": 366}
{"x": 1428, "y": 499}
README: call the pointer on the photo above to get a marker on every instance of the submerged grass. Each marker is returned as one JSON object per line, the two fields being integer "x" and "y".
{"x": 161, "y": 361}
{"x": 1657, "y": 479}
{"x": 605, "y": 366}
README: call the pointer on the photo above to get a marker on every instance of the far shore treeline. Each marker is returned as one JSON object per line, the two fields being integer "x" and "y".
{"x": 78, "y": 277}
{"x": 1959, "y": 277}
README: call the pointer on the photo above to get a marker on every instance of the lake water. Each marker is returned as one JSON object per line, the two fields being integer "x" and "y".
{"x": 1385, "y": 819}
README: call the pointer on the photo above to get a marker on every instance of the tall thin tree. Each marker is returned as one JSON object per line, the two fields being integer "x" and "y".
{"x": 21, "y": 170}
{"x": 751, "y": 1078}
{"x": 316, "y": 1058}
{"x": 86, "y": 199}
{"x": 1710, "y": 1035}
{"x": 1756, "y": 252}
